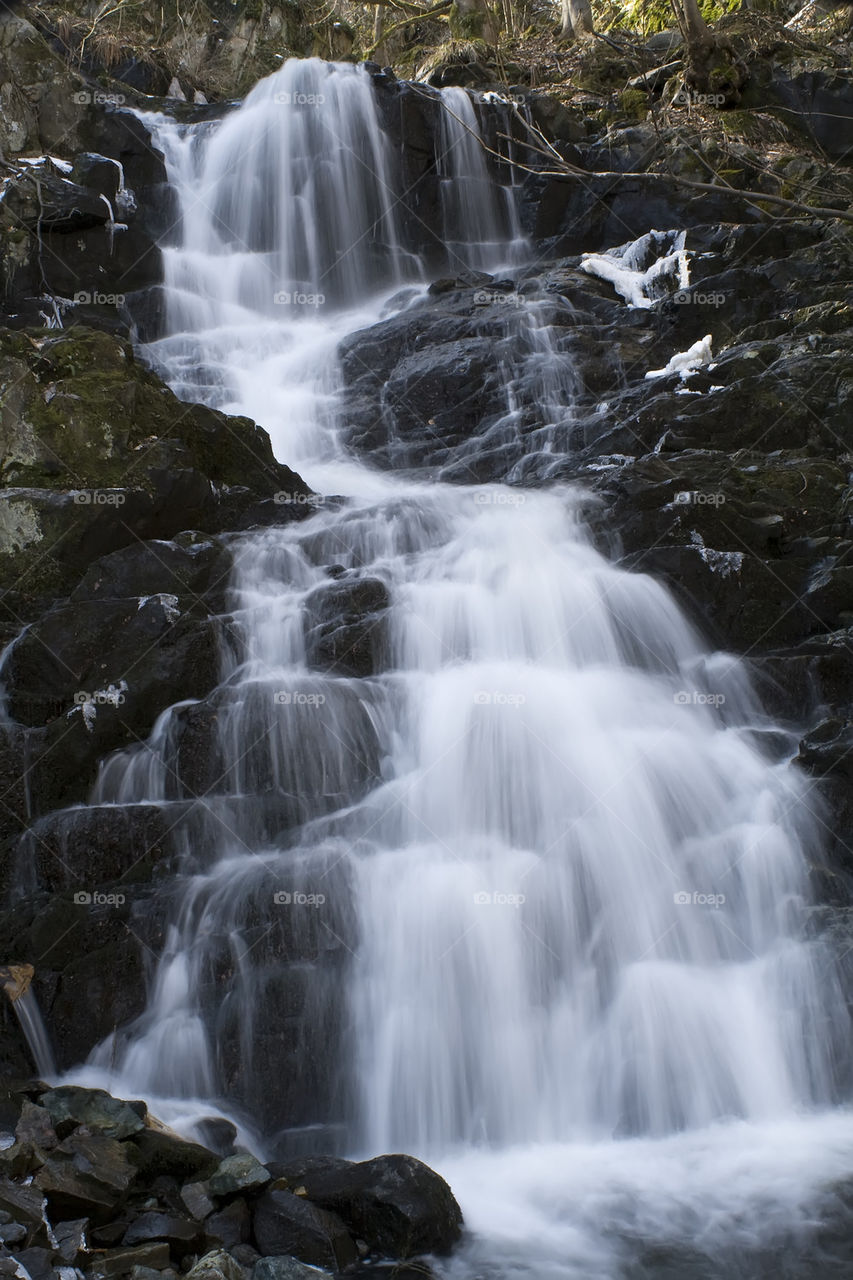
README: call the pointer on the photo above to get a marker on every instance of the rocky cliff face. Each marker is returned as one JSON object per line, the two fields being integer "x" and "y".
{"x": 732, "y": 482}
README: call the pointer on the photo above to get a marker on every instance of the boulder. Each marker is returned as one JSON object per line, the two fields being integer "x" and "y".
{"x": 179, "y": 1233}
{"x": 86, "y": 1176}
{"x": 344, "y": 626}
{"x": 284, "y": 1223}
{"x": 70, "y": 1106}
{"x": 396, "y": 1204}
{"x": 230, "y": 1227}
{"x": 236, "y": 1174}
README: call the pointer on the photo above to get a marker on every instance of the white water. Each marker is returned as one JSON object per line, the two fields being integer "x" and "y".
{"x": 569, "y": 887}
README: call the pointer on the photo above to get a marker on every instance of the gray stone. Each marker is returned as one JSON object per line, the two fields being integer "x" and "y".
{"x": 35, "y": 1127}
{"x": 285, "y": 1223}
{"x": 180, "y": 1233}
{"x": 69, "y": 1106}
{"x": 237, "y": 1173}
{"x": 286, "y": 1268}
{"x": 217, "y": 1265}
{"x": 120, "y": 1262}
{"x": 197, "y": 1201}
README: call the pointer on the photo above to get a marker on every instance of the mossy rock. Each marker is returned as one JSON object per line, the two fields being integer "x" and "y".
{"x": 95, "y": 452}
{"x": 634, "y": 104}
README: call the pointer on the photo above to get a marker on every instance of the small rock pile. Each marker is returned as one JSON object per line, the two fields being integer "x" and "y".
{"x": 93, "y": 1187}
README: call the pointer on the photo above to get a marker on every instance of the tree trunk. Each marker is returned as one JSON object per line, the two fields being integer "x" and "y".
{"x": 378, "y": 30}
{"x": 713, "y": 72}
{"x": 577, "y": 20}
{"x": 474, "y": 20}
{"x": 695, "y": 30}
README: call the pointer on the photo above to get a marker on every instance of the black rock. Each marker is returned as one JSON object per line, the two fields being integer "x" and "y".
{"x": 284, "y": 1223}
{"x": 396, "y": 1204}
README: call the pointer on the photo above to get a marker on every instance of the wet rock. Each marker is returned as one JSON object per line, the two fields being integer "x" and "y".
{"x": 344, "y": 626}
{"x": 218, "y": 1133}
{"x": 36, "y": 1127}
{"x": 99, "y": 454}
{"x": 70, "y": 1105}
{"x": 22, "y": 1203}
{"x": 158, "y": 1151}
{"x": 286, "y": 1269}
{"x": 70, "y": 1238}
{"x": 198, "y": 1202}
{"x": 287, "y": 1224}
{"x": 217, "y": 1265}
{"x": 120, "y": 1262}
{"x": 237, "y": 1173}
{"x": 398, "y": 1205}
{"x": 179, "y": 1233}
{"x": 45, "y": 199}
{"x": 191, "y": 567}
{"x": 230, "y": 1227}
{"x": 87, "y": 847}
{"x": 37, "y": 1262}
{"x": 87, "y": 1176}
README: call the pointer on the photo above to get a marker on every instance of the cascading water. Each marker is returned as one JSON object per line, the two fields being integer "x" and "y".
{"x": 533, "y": 890}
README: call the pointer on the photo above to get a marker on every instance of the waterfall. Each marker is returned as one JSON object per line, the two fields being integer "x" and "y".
{"x": 527, "y": 898}
{"x": 16, "y": 980}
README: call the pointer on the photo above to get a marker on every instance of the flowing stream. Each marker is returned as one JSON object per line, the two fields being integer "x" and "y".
{"x": 544, "y": 886}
